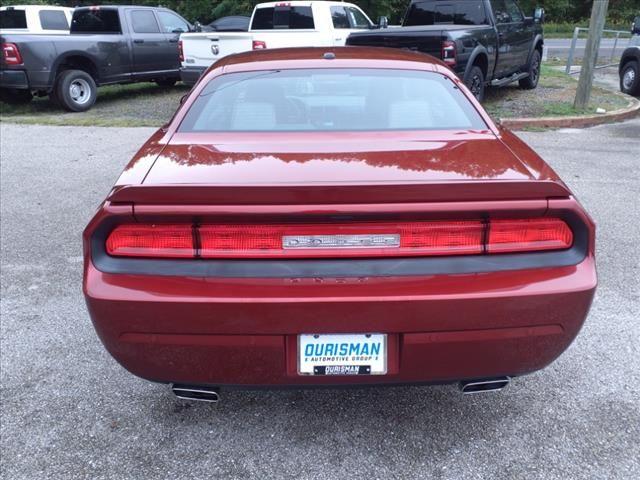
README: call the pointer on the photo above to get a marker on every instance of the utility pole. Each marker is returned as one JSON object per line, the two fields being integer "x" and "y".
{"x": 596, "y": 25}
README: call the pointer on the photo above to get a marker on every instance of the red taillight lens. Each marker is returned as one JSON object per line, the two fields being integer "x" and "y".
{"x": 349, "y": 240}
{"x": 527, "y": 235}
{"x": 259, "y": 45}
{"x": 373, "y": 239}
{"x": 170, "y": 241}
{"x": 11, "y": 54}
{"x": 180, "y": 51}
{"x": 449, "y": 53}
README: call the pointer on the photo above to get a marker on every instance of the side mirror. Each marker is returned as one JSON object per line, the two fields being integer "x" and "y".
{"x": 383, "y": 22}
{"x": 197, "y": 26}
{"x": 538, "y": 15}
{"x": 635, "y": 26}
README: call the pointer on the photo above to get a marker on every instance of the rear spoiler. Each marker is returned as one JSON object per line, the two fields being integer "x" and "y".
{"x": 282, "y": 194}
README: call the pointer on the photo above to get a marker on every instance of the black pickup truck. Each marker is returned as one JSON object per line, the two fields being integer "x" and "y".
{"x": 106, "y": 45}
{"x": 486, "y": 42}
{"x": 630, "y": 63}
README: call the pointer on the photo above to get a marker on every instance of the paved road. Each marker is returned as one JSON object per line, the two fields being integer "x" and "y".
{"x": 559, "y": 47}
{"x": 69, "y": 411}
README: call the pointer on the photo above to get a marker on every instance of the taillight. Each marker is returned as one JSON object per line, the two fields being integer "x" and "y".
{"x": 180, "y": 51}
{"x": 259, "y": 45}
{"x": 527, "y": 235}
{"x": 11, "y": 54}
{"x": 449, "y": 53}
{"x": 372, "y": 239}
{"x": 171, "y": 241}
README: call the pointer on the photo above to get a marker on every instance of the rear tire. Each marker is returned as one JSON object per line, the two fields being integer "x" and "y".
{"x": 167, "y": 82}
{"x": 475, "y": 82}
{"x": 15, "y": 96}
{"x": 75, "y": 90}
{"x": 531, "y": 82}
{"x": 630, "y": 78}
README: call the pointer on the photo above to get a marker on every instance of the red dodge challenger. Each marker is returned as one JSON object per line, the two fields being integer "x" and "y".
{"x": 342, "y": 216}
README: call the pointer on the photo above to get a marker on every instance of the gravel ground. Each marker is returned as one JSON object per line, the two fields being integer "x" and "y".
{"x": 69, "y": 411}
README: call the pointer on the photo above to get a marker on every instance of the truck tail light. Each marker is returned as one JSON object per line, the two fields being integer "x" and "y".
{"x": 449, "y": 53}
{"x": 11, "y": 54}
{"x": 259, "y": 45}
{"x": 180, "y": 51}
{"x": 371, "y": 239}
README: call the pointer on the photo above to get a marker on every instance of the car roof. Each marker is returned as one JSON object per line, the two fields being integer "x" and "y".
{"x": 34, "y": 7}
{"x": 375, "y": 57}
{"x": 300, "y": 3}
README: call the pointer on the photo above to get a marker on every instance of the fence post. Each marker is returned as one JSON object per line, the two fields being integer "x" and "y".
{"x": 615, "y": 45}
{"x": 596, "y": 25}
{"x": 576, "y": 32}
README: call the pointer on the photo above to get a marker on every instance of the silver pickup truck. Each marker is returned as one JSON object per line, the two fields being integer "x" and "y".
{"x": 106, "y": 45}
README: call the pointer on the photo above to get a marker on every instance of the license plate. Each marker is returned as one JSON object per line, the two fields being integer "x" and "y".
{"x": 342, "y": 354}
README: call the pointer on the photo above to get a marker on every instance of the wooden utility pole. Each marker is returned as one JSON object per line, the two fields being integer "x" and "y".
{"x": 596, "y": 25}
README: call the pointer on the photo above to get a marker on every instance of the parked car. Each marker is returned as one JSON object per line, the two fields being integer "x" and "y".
{"x": 106, "y": 45}
{"x": 274, "y": 25}
{"x": 630, "y": 63}
{"x": 486, "y": 42}
{"x": 336, "y": 216}
{"x": 35, "y": 19}
{"x": 233, "y": 23}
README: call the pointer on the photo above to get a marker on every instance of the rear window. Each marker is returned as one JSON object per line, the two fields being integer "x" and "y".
{"x": 443, "y": 12}
{"x": 53, "y": 20}
{"x": 96, "y": 20}
{"x": 13, "y": 19}
{"x": 283, "y": 18}
{"x": 330, "y": 100}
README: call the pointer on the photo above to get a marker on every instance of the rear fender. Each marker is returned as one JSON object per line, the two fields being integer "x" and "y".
{"x": 478, "y": 51}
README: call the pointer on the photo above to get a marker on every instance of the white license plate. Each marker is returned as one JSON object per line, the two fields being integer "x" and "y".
{"x": 342, "y": 354}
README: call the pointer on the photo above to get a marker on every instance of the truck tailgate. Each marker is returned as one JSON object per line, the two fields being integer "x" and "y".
{"x": 423, "y": 39}
{"x": 203, "y": 49}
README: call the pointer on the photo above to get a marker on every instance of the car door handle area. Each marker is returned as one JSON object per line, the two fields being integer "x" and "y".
{"x": 138, "y": 40}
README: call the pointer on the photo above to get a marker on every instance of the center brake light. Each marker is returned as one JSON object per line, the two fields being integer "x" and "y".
{"x": 371, "y": 239}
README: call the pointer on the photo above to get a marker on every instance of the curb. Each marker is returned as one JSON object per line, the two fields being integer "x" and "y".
{"x": 582, "y": 121}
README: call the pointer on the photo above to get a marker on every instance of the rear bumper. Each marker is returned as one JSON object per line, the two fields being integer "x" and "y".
{"x": 441, "y": 328}
{"x": 190, "y": 75}
{"x": 14, "y": 79}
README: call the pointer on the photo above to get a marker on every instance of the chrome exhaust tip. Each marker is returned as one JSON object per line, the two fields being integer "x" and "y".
{"x": 199, "y": 394}
{"x": 483, "y": 386}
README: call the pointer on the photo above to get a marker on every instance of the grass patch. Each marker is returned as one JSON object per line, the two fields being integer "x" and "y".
{"x": 132, "y": 105}
{"x": 554, "y": 97}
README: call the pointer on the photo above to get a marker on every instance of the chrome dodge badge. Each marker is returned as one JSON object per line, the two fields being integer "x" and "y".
{"x": 215, "y": 49}
{"x": 341, "y": 241}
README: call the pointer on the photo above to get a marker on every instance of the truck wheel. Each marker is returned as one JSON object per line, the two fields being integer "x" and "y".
{"x": 75, "y": 90}
{"x": 630, "y": 78}
{"x": 15, "y": 96}
{"x": 167, "y": 82}
{"x": 531, "y": 82}
{"x": 475, "y": 82}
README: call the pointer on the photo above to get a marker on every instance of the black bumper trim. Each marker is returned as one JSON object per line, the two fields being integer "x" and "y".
{"x": 190, "y": 75}
{"x": 14, "y": 79}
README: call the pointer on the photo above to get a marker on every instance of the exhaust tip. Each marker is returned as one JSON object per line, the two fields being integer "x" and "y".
{"x": 483, "y": 386}
{"x": 199, "y": 394}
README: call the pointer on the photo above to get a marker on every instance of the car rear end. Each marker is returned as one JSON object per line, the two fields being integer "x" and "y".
{"x": 331, "y": 257}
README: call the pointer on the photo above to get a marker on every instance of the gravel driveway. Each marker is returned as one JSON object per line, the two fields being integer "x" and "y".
{"x": 69, "y": 411}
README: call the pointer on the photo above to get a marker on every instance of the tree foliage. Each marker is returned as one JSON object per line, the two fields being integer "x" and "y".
{"x": 560, "y": 11}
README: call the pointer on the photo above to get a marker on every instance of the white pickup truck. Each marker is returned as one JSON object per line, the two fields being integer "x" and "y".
{"x": 274, "y": 25}
{"x": 35, "y": 19}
